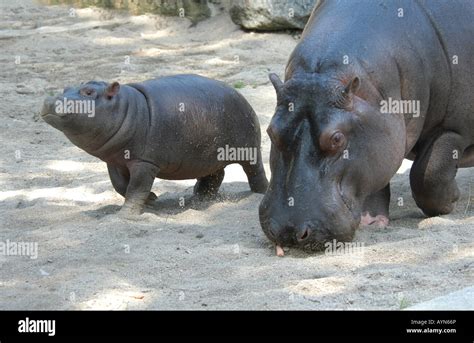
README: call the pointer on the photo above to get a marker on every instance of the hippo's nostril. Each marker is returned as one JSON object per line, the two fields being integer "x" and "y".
{"x": 303, "y": 235}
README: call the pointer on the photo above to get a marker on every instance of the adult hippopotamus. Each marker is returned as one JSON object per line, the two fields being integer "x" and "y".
{"x": 176, "y": 127}
{"x": 369, "y": 84}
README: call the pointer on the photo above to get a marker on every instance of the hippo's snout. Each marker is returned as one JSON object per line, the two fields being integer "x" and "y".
{"x": 49, "y": 107}
{"x": 290, "y": 234}
{"x": 309, "y": 235}
{"x": 308, "y": 227}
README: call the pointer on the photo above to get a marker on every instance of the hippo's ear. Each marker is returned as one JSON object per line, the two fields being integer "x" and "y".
{"x": 348, "y": 92}
{"x": 112, "y": 89}
{"x": 352, "y": 87}
{"x": 276, "y": 82}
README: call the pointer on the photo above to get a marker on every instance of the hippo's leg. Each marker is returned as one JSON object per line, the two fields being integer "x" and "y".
{"x": 208, "y": 186}
{"x": 375, "y": 210}
{"x": 432, "y": 175}
{"x": 256, "y": 175}
{"x": 142, "y": 175}
{"x": 119, "y": 176}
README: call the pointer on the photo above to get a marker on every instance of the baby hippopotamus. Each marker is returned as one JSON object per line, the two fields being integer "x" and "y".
{"x": 175, "y": 127}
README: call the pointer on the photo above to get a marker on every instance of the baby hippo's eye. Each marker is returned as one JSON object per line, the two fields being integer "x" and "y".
{"x": 87, "y": 92}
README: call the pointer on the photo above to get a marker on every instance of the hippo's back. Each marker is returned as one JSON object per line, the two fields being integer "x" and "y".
{"x": 454, "y": 25}
{"x": 195, "y": 100}
{"x": 185, "y": 90}
{"x": 191, "y": 116}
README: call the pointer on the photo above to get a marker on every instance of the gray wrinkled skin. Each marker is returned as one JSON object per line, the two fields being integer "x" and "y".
{"x": 333, "y": 156}
{"x": 170, "y": 128}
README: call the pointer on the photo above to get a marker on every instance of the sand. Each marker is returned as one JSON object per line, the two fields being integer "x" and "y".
{"x": 206, "y": 255}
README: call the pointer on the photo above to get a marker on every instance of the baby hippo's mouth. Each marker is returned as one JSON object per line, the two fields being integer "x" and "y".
{"x": 47, "y": 113}
{"x": 49, "y": 108}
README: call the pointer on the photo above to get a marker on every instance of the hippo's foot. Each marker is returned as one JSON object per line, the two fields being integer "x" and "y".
{"x": 432, "y": 176}
{"x": 142, "y": 175}
{"x": 375, "y": 212}
{"x": 438, "y": 201}
{"x": 207, "y": 187}
{"x": 131, "y": 210}
{"x": 151, "y": 198}
{"x": 128, "y": 213}
{"x": 380, "y": 221}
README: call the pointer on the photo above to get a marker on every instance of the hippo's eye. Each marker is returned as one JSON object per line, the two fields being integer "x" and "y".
{"x": 337, "y": 138}
{"x": 332, "y": 142}
{"x": 87, "y": 92}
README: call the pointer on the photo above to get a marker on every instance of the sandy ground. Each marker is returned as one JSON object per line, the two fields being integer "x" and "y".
{"x": 210, "y": 255}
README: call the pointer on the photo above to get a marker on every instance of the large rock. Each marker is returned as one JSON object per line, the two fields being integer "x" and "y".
{"x": 271, "y": 14}
{"x": 195, "y": 10}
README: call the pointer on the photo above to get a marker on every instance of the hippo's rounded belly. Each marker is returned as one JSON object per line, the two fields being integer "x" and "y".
{"x": 185, "y": 172}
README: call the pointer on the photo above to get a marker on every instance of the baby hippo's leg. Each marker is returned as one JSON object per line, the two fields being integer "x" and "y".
{"x": 256, "y": 174}
{"x": 142, "y": 175}
{"x": 120, "y": 177}
{"x": 208, "y": 186}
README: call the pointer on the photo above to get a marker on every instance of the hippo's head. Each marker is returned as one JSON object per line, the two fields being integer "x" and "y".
{"x": 84, "y": 114}
{"x": 331, "y": 148}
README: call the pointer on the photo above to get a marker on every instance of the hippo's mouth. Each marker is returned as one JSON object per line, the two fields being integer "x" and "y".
{"x": 344, "y": 200}
{"x": 349, "y": 205}
{"x": 47, "y": 112}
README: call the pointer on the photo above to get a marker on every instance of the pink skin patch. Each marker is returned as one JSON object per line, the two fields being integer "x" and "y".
{"x": 379, "y": 221}
{"x": 279, "y": 251}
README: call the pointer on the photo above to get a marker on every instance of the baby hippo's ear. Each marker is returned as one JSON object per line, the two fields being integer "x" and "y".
{"x": 112, "y": 89}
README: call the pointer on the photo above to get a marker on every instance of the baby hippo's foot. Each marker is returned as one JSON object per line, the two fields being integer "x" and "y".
{"x": 151, "y": 198}
{"x": 131, "y": 212}
{"x": 379, "y": 221}
{"x": 206, "y": 187}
